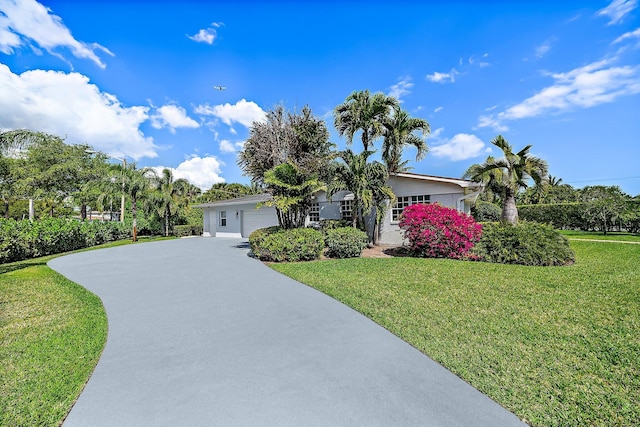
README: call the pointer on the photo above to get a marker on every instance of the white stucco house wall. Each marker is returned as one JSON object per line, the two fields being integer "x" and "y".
{"x": 239, "y": 217}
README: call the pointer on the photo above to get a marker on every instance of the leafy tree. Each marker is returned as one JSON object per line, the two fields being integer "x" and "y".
{"x": 299, "y": 138}
{"x": 224, "y": 191}
{"x": 368, "y": 183}
{"x": 292, "y": 192}
{"x": 137, "y": 183}
{"x": 603, "y": 205}
{"x": 365, "y": 113}
{"x": 510, "y": 174}
{"x": 400, "y": 131}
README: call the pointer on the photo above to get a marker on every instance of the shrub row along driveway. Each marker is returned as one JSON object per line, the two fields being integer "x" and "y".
{"x": 201, "y": 334}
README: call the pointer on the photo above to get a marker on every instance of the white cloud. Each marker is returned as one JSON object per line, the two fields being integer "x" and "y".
{"x": 437, "y": 109}
{"x": 462, "y": 146}
{"x": 635, "y": 34}
{"x": 227, "y": 146}
{"x": 617, "y": 10}
{"x": 582, "y": 87}
{"x": 242, "y": 112}
{"x": 436, "y": 134}
{"x": 202, "y": 172}
{"x": 207, "y": 35}
{"x": 401, "y": 88}
{"x": 543, "y": 49}
{"x": 449, "y": 77}
{"x": 68, "y": 105}
{"x": 172, "y": 116}
{"x": 27, "y": 21}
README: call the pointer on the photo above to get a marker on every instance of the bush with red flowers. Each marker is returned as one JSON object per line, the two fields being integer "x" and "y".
{"x": 435, "y": 231}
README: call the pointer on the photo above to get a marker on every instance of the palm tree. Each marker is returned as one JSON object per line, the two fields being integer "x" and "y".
{"x": 510, "y": 173}
{"x": 165, "y": 197}
{"x": 368, "y": 183}
{"x": 363, "y": 112}
{"x": 136, "y": 184}
{"x": 399, "y": 131}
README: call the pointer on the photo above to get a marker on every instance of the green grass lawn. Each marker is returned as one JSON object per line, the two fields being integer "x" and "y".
{"x": 615, "y": 235}
{"x": 52, "y": 332}
{"x": 555, "y": 345}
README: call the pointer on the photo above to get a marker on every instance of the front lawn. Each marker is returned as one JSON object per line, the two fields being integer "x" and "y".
{"x": 612, "y": 235}
{"x": 555, "y": 345}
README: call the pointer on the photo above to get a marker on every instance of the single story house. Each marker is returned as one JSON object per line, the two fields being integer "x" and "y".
{"x": 239, "y": 217}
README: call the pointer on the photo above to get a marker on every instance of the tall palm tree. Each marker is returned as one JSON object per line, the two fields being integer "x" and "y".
{"x": 165, "y": 197}
{"x": 399, "y": 132}
{"x": 510, "y": 173}
{"x": 368, "y": 183}
{"x": 137, "y": 182}
{"x": 363, "y": 112}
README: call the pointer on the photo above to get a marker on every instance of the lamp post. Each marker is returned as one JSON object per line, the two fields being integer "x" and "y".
{"x": 124, "y": 167}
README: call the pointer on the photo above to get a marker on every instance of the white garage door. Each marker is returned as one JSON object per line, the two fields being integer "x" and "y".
{"x": 253, "y": 219}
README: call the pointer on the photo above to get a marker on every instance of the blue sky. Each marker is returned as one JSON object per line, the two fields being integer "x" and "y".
{"x": 135, "y": 78}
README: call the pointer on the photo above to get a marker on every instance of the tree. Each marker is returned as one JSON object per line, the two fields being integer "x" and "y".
{"x": 166, "y": 197}
{"x": 368, "y": 183}
{"x": 603, "y": 205}
{"x": 299, "y": 138}
{"x": 510, "y": 174}
{"x": 399, "y": 132}
{"x": 365, "y": 113}
{"x": 136, "y": 183}
{"x": 292, "y": 191}
{"x": 224, "y": 191}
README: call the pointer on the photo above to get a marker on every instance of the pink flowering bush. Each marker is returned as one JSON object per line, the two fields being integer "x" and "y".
{"x": 435, "y": 231}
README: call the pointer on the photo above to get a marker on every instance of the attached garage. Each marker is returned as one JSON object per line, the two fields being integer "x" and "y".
{"x": 237, "y": 217}
{"x": 253, "y": 219}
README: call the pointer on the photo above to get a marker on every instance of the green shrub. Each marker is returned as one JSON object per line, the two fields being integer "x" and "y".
{"x": 330, "y": 224}
{"x": 187, "y": 230}
{"x": 277, "y": 244}
{"x": 527, "y": 243}
{"x": 559, "y": 215}
{"x": 486, "y": 212}
{"x": 26, "y": 239}
{"x": 345, "y": 242}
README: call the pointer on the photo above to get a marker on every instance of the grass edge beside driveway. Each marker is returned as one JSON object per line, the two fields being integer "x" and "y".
{"x": 555, "y": 345}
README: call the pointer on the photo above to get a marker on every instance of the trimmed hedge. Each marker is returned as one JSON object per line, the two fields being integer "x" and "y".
{"x": 527, "y": 243}
{"x": 486, "y": 212}
{"x": 26, "y": 239}
{"x": 345, "y": 242}
{"x": 187, "y": 230}
{"x": 559, "y": 215}
{"x": 277, "y": 244}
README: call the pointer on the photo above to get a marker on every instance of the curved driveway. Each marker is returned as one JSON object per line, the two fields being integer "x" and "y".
{"x": 200, "y": 334}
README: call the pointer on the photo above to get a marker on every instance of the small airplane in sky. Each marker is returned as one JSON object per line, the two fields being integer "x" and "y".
{"x": 220, "y": 87}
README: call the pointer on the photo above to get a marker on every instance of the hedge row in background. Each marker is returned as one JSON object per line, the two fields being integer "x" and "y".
{"x": 21, "y": 240}
{"x": 561, "y": 215}
{"x": 187, "y": 230}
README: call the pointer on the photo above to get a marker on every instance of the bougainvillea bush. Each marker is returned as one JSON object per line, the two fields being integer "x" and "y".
{"x": 435, "y": 231}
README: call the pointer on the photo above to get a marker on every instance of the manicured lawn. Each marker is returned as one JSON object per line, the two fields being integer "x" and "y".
{"x": 555, "y": 345}
{"x": 620, "y": 236}
{"x": 52, "y": 332}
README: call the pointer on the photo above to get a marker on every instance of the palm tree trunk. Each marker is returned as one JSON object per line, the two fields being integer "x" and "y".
{"x": 166, "y": 223}
{"x": 509, "y": 209}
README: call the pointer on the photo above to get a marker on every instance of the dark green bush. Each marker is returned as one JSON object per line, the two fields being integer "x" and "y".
{"x": 345, "y": 242}
{"x": 330, "y": 224}
{"x": 277, "y": 244}
{"x": 486, "y": 212}
{"x": 527, "y": 243}
{"x": 560, "y": 215}
{"x": 29, "y": 239}
{"x": 187, "y": 230}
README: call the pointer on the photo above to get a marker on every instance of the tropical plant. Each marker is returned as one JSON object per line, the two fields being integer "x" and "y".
{"x": 435, "y": 231}
{"x": 399, "y": 132}
{"x": 365, "y": 113}
{"x": 292, "y": 192}
{"x": 166, "y": 197}
{"x": 224, "y": 191}
{"x": 368, "y": 183}
{"x": 509, "y": 173}
{"x": 603, "y": 205}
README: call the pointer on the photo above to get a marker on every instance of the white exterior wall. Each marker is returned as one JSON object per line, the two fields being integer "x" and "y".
{"x": 235, "y": 218}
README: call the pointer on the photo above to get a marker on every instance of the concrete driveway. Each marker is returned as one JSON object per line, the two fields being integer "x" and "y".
{"x": 200, "y": 334}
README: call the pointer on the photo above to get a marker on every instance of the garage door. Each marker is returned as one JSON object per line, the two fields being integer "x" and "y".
{"x": 253, "y": 219}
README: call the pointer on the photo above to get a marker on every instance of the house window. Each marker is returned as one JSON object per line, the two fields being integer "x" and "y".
{"x": 404, "y": 201}
{"x": 346, "y": 210}
{"x": 314, "y": 212}
{"x": 223, "y": 218}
